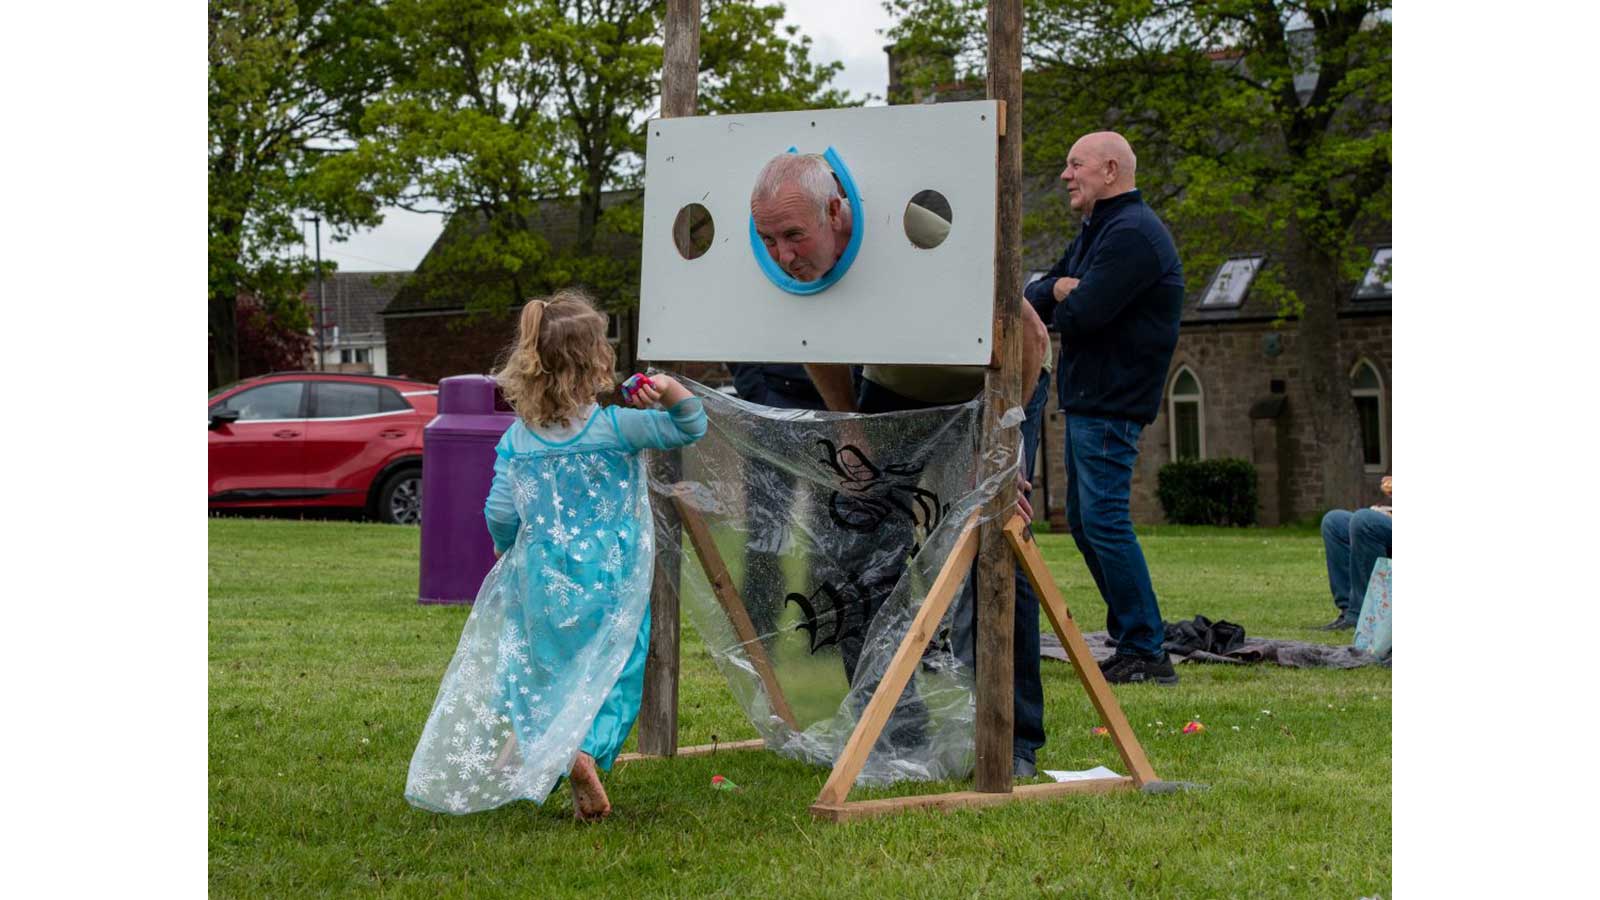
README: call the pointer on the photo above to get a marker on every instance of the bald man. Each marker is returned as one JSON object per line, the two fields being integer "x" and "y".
{"x": 1116, "y": 296}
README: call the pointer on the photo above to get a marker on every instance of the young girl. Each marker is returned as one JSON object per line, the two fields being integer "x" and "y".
{"x": 547, "y": 678}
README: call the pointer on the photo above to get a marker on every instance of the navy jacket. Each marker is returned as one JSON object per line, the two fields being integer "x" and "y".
{"x": 783, "y": 385}
{"x": 1119, "y": 326}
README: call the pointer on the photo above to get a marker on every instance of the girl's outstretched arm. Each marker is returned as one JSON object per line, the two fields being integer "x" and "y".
{"x": 683, "y": 422}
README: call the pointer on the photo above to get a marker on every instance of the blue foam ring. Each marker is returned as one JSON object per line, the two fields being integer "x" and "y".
{"x": 858, "y": 222}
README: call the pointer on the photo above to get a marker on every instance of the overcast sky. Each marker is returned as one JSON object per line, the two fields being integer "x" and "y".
{"x": 846, "y": 31}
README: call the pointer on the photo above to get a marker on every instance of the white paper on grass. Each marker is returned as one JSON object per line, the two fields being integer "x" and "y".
{"x": 1086, "y": 775}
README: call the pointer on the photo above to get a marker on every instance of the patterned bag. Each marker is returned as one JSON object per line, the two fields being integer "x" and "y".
{"x": 1374, "y": 629}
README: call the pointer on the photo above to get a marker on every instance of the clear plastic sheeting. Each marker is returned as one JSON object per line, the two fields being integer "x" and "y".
{"x": 823, "y": 533}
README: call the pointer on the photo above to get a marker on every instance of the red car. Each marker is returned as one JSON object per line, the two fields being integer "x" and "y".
{"x": 320, "y": 439}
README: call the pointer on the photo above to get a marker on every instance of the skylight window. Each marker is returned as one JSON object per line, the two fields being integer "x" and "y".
{"x": 1379, "y": 281}
{"x": 1228, "y": 286}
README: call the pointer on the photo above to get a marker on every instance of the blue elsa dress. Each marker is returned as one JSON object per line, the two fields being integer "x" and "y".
{"x": 551, "y": 660}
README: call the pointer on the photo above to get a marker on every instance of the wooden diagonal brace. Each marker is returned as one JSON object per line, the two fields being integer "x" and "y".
{"x": 898, "y": 674}
{"x": 1094, "y": 683}
{"x": 733, "y": 605}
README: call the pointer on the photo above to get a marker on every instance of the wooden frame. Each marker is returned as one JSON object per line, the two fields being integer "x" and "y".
{"x": 1000, "y": 544}
{"x": 831, "y": 803}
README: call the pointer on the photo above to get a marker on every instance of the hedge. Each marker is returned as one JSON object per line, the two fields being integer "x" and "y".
{"x": 1208, "y": 492}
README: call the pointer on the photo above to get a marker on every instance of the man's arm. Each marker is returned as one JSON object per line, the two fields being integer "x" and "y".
{"x": 1035, "y": 345}
{"x": 834, "y": 384}
{"x": 1040, "y": 293}
{"x": 1124, "y": 264}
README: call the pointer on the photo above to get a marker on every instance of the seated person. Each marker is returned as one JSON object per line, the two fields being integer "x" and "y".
{"x": 1353, "y": 542}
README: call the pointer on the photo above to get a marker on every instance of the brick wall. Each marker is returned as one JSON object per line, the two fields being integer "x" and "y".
{"x": 432, "y": 347}
{"x": 1233, "y": 368}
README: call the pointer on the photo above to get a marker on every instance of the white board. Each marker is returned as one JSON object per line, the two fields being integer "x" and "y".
{"x": 896, "y": 303}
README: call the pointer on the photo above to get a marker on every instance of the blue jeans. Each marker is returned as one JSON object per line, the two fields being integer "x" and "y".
{"x": 1100, "y": 456}
{"x": 1028, "y": 704}
{"x": 1353, "y": 541}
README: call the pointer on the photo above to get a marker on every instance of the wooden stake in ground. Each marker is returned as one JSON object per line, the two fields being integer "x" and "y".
{"x": 658, "y": 708}
{"x": 1002, "y": 391}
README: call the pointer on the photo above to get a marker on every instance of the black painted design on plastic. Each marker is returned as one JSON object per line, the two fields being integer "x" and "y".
{"x": 868, "y": 493}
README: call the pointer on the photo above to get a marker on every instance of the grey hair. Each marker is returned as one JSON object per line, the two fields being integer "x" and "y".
{"x": 808, "y": 172}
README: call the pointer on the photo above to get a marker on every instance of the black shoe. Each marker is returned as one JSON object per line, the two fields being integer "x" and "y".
{"x": 1138, "y": 670}
{"x": 1023, "y": 768}
{"x": 1343, "y": 623}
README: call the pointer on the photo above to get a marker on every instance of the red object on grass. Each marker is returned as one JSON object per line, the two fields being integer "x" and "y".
{"x": 1193, "y": 728}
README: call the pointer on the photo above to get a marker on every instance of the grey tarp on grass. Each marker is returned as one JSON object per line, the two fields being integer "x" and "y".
{"x": 1294, "y": 654}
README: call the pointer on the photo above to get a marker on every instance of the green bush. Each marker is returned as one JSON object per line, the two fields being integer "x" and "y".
{"x": 1208, "y": 492}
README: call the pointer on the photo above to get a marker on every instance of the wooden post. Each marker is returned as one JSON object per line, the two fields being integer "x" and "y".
{"x": 658, "y": 708}
{"x": 1003, "y": 390}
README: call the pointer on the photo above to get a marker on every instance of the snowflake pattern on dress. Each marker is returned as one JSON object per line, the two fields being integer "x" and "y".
{"x": 550, "y": 631}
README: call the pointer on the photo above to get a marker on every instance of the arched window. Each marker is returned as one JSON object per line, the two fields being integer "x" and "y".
{"x": 1366, "y": 388}
{"x": 1185, "y": 405}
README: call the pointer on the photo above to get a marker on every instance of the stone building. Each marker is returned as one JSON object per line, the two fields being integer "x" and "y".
{"x": 1234, "y": 389}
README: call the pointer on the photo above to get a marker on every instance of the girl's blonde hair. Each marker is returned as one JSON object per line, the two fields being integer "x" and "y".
{"x": 559, "y": 361}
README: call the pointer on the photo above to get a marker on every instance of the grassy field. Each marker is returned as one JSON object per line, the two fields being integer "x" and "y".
{"x": 323, "y": 668}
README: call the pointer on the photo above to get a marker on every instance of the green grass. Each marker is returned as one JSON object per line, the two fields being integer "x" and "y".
{"x": 323, "y": 668}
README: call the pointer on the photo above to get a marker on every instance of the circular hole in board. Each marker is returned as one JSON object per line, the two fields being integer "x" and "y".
{"x": 928, "y": 218}
{"x": 692, "y": 231}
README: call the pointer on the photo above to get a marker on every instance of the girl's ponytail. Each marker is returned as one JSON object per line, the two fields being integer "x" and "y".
{"x": 528, "y": 337}
{"x": 559, "y": 360}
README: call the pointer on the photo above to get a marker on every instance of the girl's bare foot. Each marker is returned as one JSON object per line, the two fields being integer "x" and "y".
{"x": 589, "y": 801}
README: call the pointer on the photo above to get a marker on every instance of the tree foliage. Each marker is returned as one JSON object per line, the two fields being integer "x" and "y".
{"x": 1260, "y": 125}
{"x": 286, "y": 80}
{"x": 271, "y": 339}
{"x": 507, "y": 106}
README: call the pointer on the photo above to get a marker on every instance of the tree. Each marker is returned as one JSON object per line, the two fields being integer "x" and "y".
{"x": 286, "y": 81}
{"x": 268, "y": 343}
{"x": 1260, "y": 123}
{"x": 508, "y": 106}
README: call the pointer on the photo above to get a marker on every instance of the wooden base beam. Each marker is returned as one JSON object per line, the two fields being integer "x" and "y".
{"x": 832, "y": 805}
{"x": 863, "y": 809}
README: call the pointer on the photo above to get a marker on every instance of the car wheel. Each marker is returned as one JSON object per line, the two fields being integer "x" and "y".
{"x": 400, "y": 499}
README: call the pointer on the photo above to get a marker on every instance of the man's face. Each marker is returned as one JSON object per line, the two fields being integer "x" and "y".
{"x": 1085, "y": 176}
{"x": 804, "y": 245}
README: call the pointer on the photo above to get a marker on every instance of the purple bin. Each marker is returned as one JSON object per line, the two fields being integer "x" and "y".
{"x": 457, "y": 467}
